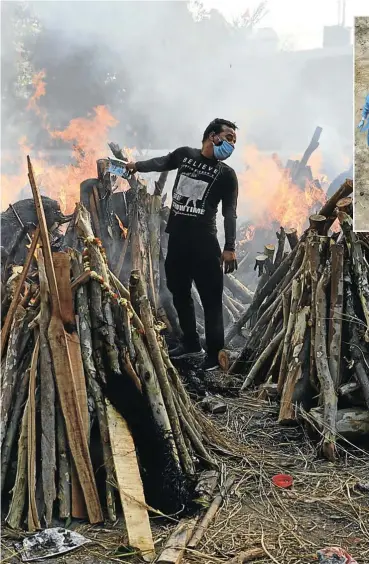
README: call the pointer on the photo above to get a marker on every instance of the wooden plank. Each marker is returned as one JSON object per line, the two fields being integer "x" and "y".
{"x": 47, "y": 398}
{"x": 62, "y": 267}
{"x": 211, "y": 512}
{"x": 13, "y": 306}
{"x": 19, "y": 491}
{"x": 64, "y": 373}
{"x": 175, "y": 546}
{"x": 130, "y": 484}
{"x": 33, "y": 520}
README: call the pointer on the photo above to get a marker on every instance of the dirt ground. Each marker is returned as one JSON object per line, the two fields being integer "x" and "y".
{"x": 324, "y": 507}
{"x": 361, "y": 218}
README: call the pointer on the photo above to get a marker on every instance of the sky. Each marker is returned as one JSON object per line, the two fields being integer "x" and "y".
{"x": 299, "y": 25}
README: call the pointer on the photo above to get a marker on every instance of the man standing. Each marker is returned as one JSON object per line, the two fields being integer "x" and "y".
{"x": 203, "y": 181}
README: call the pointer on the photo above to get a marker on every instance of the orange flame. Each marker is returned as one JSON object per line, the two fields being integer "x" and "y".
{"x": 87, "y": 139}
{"x": 123, "y": 229}
{"x": 267, "y": 195}
{"x": 247, "y": 234}
{"x": 40, "y": 90}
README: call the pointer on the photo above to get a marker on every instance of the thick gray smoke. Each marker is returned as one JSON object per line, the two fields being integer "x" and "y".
{"x": 165, "y": 76}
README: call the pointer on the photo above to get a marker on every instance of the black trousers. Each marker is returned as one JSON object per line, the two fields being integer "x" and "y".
{"x": 189, "y": 260}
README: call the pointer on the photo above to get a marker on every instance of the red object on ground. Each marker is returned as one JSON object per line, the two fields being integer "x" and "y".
{"x": 282, "y": 480}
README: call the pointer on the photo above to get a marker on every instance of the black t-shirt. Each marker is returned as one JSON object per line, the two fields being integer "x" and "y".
{"x": 200, "y": 185}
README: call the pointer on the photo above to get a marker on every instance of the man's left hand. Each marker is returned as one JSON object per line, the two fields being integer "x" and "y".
{"x": 229, "y": 261}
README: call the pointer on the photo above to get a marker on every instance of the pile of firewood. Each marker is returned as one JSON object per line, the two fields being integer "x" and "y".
{"x": 74, "y": 337}
{"x": 309, "y": 325}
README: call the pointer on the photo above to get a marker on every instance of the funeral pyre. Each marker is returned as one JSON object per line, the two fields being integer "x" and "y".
{"x": 94, "y": 416}
{"x": 308, "y": 326}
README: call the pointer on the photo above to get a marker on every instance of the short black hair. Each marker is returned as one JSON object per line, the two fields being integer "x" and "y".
{"x": 217, "y": 126}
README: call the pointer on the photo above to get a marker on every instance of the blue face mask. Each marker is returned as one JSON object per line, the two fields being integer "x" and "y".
{"x": 223, "y": 151}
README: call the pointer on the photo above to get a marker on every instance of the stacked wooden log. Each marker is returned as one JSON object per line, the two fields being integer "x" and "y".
{"x": 74, "y": 349}
{"x": 309, "y": 325}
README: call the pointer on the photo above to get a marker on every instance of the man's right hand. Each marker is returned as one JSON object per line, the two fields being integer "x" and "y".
{"x": 361, "y": 124}
{"x": 131, "y": 166}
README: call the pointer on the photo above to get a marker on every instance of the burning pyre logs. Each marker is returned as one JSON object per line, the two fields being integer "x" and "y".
{"x": 84, "y": 361}
{"x": 309, "y": 324}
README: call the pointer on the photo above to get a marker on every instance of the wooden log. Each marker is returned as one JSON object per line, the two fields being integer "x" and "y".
{"x": 136, "y": 321}
{"x": 281, "y": 236}
{"x": 62, "y": 268}
{"x": 64, "y": 467}
{"x": 318, "y": 223}
{"x": 228, "y": 316}
{"x": 130, "y": 485}
{"x": 329, "y": 396}
{"x": 211, "y": 512}
{"x": 84, "y": 321}
{"x": 206, "y": 485}
{"x": 336, "y": 314}
{"x": 33, "y": 518}
{"x": 154, "y": 222}
{"x": 345, "y": 205}
{"x": 95, "y": 211}
{"x": 348, "y": 389}
{"x": 272, "y": 327}
{"x": 16, "y": 508}
{"x": 267, "y": 352}
{"x": 9, "y": 375}
{"x": 237, "y": 305}
{"x": 123, "y": 253}
{"x": 269, "y": 251}
{"x": 126, "y": 329}
{"x": 174, "y": 548}
{"x": 242, "y": 265}
{"x": 297, "y": 268}
{"x": 241, "y": 364}
{"x": 248, "y": 556}
{"x": 14, "y": 304}
{"x": 194, "y": 438}
{"x": 269, "y": 286}
{"x": 260, "y": 264}
{"x": 230, "y": 306}
{"x": 64, "y": 373}
{"x": 353, "y": 323}
{"x": 12, "y": 429}
{"x": 295, "y": 297}
{"x": 226, "y": 358}
{"x": 298, "y": 173}
{"x": 153, "y": 392}
{"x": 238, "y": 289}
{"x": 292, "y": 237}
{"x": 157, "y": 360}
{"x": 295, "y": 366}
{"x": 315, "y": 260}
{"x": 329, "y": 207}
{"x": 47, "y": 398}
{"x": 350, "y": 423}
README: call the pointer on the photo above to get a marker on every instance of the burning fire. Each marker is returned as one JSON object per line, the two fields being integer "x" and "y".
{"x": 40, "y": 90}
{"x": 87, "y": 139}
{"x": 267, "y": 196}
{"x": 248, "y": 234}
